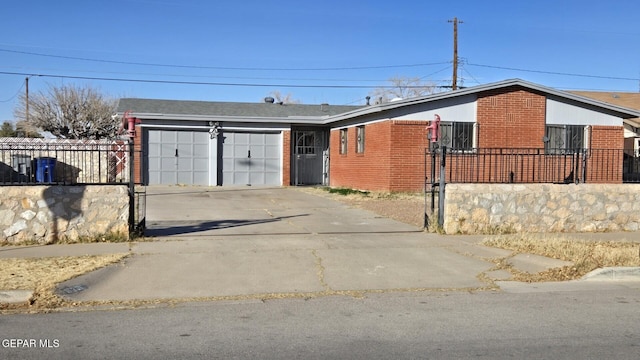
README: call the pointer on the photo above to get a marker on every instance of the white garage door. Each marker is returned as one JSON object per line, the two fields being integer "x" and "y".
{"x": 178, "y": 157}
{"x": 251, "y": 158}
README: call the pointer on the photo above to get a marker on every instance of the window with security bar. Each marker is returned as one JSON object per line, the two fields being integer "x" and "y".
{"x": 343, "y": 141}
{"x": 306, "y": 142}
{"x": 457, "y": 136}
{"x": 563, "y": 139}
{"x": 360, "y": 139}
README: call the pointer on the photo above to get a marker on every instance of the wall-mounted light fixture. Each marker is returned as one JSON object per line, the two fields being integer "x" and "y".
{"x": 214, "y": 129}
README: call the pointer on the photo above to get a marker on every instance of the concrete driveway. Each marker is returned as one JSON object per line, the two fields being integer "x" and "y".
{"x": 174, "y": 211}
{"x": 226, "y": 242}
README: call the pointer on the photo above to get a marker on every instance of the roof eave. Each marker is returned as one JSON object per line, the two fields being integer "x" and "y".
{"x": 252, "y": 119}
{"x": 622, "y": 112}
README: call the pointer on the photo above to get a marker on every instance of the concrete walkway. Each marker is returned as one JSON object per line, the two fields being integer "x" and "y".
{"x": 219, "y": 242}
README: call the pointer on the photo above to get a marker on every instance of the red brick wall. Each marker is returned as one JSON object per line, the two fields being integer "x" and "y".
{"x": 605, "y": 161}
{"x": 368, "y": 170}
{"x": 607, "y": 137}
{"x": 409, "y": 140}
{"x": 393, "y": 159}
{"x": 138, "y": 155}
{"x": 286, "y": 158}
{"x": 510, "y": 118}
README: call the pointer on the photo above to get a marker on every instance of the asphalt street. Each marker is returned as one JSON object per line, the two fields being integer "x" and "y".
{"x": 427, "y": 325}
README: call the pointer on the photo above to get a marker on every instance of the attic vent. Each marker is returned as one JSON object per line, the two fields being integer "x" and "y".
{"x": 324, "y": 107}
{"x": 528, "y": 103}
{"x": 269, "y": 100}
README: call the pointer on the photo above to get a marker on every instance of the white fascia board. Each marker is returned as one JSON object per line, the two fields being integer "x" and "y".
{"x": 352, "y": 124}
{"x": 228, "y": 128}
{"x": 312, "y": 120}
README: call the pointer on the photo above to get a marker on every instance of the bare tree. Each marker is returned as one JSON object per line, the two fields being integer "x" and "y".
{"x": 70, "y": 112}
{"x": 283, "y": 98}
{"x": 402, "y": 88}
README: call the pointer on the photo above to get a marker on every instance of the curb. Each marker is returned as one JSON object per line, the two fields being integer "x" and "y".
{"x": 15, "y": 296}
{"x": 614, "y": 273}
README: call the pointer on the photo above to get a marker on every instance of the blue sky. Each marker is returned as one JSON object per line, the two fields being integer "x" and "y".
{"x": 330, "y": 50}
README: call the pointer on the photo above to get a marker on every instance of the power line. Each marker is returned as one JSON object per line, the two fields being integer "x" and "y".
{"x": 213, "y": 76}
{"x": 555, "y": 72}
{"x": 15, "y": 95}
{"x": 205, "y": 83}
{"x": 221, "y": 67}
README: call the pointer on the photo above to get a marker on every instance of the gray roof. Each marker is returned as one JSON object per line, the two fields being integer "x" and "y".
{"x": 326, "y": 114}
{"x": 620, "y": 111}
{"x": 167, "y": 108}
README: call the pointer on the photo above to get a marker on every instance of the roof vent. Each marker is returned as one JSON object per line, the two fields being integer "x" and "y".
{"x": 269, "y": 100}
{"x": 324, "y": 107}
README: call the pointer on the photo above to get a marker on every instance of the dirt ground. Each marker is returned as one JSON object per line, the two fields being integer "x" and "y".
{"x": 404, "y": 207}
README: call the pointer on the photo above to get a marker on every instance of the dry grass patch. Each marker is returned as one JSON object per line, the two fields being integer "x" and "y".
{"x": 585, "y": 255}
{"x": 43, "y": 274}
{"x": 400, "y": 206}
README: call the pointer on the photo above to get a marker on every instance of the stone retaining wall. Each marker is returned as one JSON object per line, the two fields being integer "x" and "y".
{"x": 491, "y": 208}
{"x": 46, "y": 214}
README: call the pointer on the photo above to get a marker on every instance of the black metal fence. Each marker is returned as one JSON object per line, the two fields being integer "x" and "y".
{"x": 560, "y": 166}
{"x": 52, "y": 161}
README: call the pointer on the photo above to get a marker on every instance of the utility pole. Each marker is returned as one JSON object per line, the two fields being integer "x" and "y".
{"x": 26, "y": 81}
{"x": 454, "y": 80}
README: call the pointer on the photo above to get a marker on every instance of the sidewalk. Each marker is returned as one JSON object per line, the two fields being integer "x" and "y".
{"x": 265, "y": 265}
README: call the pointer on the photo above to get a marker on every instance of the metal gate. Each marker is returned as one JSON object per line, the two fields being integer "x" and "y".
{"x": 310, "y": 157}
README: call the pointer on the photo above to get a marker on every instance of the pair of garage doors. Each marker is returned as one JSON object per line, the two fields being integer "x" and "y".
{"x": 231, "y": 158}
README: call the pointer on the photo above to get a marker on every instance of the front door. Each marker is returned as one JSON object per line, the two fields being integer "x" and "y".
{"x": 310, "y": 157}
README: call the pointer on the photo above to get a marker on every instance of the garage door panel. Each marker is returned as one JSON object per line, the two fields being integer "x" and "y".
{"x": 263, "y": 167}
{"x": 240, "y": 151}
{"x": 201, "y": 150}
{"x": 272, "y": 152}
{"x": 257, "y": 152}
{"x": 168, "y": 136}
{"x": 178, "y": 157}
{"x": 185, "y": 151}
{"x": 200, "y": 165}
{"x": 167, "y": 165}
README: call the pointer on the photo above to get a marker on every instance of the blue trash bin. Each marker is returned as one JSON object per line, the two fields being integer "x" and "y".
{"x": 45, "y": 168}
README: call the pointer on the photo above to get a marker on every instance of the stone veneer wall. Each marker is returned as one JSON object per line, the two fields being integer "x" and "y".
{"x": 48, "y": 213}
{"x": 490, "y": 208}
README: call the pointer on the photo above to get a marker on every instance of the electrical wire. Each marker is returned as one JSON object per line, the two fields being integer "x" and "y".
{"x": 221, "y": 67}
{"x": 206, "y": 83}
{"x": 555, "y": 72}
{"x": 15, "y": 95}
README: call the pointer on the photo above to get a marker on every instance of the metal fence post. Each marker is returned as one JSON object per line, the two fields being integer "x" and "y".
{"x": 132, "y": 188}
{"x": 443, "y": 157}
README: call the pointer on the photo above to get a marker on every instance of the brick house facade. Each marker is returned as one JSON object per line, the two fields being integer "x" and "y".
{"x": 514, "y": 116}
{"x": 382, "y": 146}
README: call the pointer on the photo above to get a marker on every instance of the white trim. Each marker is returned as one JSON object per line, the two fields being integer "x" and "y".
{"x": 257, "y": 119}
{"x": 281, "y": 142}
{"x": 206, "y": 128}
{"x": 350, "y": 125}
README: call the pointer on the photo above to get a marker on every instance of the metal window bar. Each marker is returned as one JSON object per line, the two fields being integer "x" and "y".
{"x": 457, "y": 135}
